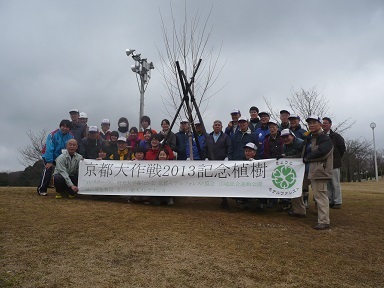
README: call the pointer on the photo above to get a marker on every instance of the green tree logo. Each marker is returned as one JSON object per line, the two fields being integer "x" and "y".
{"x": 284, "y": 177}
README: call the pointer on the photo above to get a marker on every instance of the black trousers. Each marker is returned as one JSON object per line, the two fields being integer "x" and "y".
{"x": 61, "y": 185}
{"x": 45, "y": 178}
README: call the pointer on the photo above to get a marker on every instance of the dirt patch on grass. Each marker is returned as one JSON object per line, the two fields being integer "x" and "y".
{"x": 105, "y": 242}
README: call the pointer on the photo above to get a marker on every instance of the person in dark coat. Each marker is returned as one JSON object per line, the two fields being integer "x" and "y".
{"x": 243, "y": 136}
{"x": 334, "y": 187}
{"x": 221, "y": 142}
{"x": 92, "y": 144}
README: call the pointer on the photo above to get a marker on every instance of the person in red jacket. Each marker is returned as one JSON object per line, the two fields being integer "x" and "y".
{"x": 154, "y": 151}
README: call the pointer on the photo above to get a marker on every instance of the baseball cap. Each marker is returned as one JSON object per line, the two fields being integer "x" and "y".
{"x": 93, "y": 129}
{"x": 122, "y": 139}
{"x": 83, "y": 115}
{"x": 106, "y": 121}
{"x": 273, "y": 122}
{"x": 74, "y": 110}
{"x": 264, "y": 113}
{"x": 293, "y": 116}
{"x": 235, "y": 111}
{"x": 284, "y": 111}
{"x": 313, "y": 117}
{"x": 250, "y": 145}
{"x": 286, "y": 132}
{"x": 184, "y": 121}
{"x": 242, "y": 118}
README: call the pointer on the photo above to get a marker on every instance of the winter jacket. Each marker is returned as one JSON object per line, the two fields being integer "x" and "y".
{"x": 203, "y": 147}
{"x": 181, "y": 142}
{"x": 110, "y": 147}
{"x": 338, "y": 148}
{"x": 122, "y": 155}
{"x": 56, "y": 141}
{"x": 294, "y": 149}
{"x": 319, "y": 157}
{"x": 90, "y": 148}
{"x": 78, "y": 131}
{"x": 299, "y": 132}
{"x": 272, "y": 147}
{"x": 105, "y": 135}
{"x": 171, "y": 139}
{"x": 229, "y": 130}
{"x": 254, "y": 124}
{"x": 260, "y": 134}
{"x": 67, "y": 165}
{"x": 238, "y": 142}
{"x": 152, "y": 153}
{"x": 222, "y": 147}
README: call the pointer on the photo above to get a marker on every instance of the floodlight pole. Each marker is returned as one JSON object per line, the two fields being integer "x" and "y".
{"x": 373, "y": 126}
{"x": 143, "y": 70}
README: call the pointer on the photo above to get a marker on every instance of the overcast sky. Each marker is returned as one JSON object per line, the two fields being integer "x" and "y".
{"x": 59, "y": 55}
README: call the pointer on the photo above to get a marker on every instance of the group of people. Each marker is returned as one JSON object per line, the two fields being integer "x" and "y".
{"x": 258, "y": 137}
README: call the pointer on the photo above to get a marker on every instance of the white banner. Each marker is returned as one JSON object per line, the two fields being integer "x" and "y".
{"x": 252, "y": 179}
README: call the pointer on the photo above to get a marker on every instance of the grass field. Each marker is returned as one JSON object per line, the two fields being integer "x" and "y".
{"x": 105, "y": 242}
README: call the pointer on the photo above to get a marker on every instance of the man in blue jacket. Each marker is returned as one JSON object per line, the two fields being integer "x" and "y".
{"x": 56, "y": 141}
{"x": 243, "y": 136}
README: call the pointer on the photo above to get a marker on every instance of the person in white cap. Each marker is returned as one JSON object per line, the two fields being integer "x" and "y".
{"x": 273, "y": 143}
{"x": 181, "y": 139}
{"x": 284, "y": 114}
{"x": 83, "y": 119}
{"x": 122, "y": 153}
{"x": 92, "y": 144}
{"x": 105, "y": 133}
{"x": 294, "y": 122}
{"x": 77, "y": 129}
{"x": 318, "y": 156}
{"x": 233, "y": 126}
{"x": 261, "y": 132}
{"x": 250, "y": 150}
{"x": 293, "y": 148}
{"x": 243, "y": 136}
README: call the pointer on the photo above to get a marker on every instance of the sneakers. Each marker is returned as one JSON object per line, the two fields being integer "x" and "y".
{"x": 71, "y": 196}
{"x": 58, "y": 196}
{"x": 42, "y": 193}
{"x": 322, "y": 227}
{"x": 336, "y": 206}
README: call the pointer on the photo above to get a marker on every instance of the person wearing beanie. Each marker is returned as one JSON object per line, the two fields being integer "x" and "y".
{"x": 123, "y": 127}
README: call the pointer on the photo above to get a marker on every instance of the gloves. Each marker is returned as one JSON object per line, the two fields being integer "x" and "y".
{"x": 305, "y": 160}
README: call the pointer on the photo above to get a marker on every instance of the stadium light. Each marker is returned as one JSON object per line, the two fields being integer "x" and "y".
{"x": 373, "y": 126}
{"x": 143, "y": 71}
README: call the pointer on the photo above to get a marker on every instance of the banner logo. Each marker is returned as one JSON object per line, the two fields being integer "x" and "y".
{"x": 284, "y": 177}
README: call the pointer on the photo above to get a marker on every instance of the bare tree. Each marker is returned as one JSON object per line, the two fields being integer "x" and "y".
{"x": 188, "y": 43}
{"x": 31, "y": 153}
{"x": 309, "y": 102}
{"x": 356, "y": 160}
